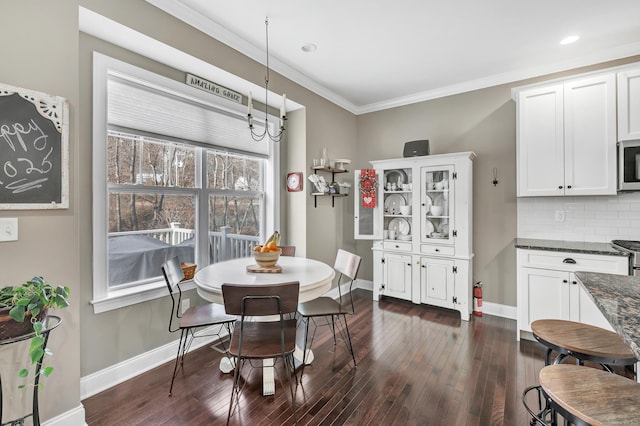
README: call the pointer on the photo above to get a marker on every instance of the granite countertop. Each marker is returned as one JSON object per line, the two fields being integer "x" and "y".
{"x": 568, "y": 246}
{"x": 618, "y": 298}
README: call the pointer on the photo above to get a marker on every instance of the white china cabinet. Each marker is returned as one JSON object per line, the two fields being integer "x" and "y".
{"x": 421, "y": 227}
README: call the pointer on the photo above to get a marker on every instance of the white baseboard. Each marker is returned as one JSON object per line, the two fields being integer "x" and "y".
{"x": 104, "y": 379}
{"x": 358, "y": 283}
{"x": 125, "y": 370}
{"x": 496, "y": 309}
{"x": 73, "y": 417}
{"x": 504, "y": 311}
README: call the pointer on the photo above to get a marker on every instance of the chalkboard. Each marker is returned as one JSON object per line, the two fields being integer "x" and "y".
{"x": 34, "y": 150}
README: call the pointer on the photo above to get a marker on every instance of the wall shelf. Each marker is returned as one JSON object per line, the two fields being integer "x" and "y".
{"x": 333, "y": 172}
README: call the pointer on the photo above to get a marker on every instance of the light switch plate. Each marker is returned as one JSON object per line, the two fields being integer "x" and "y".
{"x": 9, "y": 229}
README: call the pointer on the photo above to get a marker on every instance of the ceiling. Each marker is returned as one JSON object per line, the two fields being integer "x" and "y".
{"x": 378, "y": 54}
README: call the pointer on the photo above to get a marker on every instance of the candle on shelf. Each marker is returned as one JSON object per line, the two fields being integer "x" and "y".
{"x": 250, "y": 104}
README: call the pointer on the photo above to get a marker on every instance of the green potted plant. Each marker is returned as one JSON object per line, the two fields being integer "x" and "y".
{"x": 22, "y": 311}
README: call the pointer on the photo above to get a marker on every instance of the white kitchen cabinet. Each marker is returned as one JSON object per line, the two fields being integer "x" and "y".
{"x": 566, "y": 138}
{"x": 421, "y": 226}
{"x": 629, "y": 105}
{"x": 547, "y": 287}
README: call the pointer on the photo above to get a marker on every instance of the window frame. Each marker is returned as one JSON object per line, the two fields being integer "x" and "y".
{"x": 106, "y": 298}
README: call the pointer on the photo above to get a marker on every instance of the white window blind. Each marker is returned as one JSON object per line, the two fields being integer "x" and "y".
{"x": 135, "y": 106}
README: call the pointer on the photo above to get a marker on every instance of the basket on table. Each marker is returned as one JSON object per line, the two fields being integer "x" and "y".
{"x": 188, "y": 269}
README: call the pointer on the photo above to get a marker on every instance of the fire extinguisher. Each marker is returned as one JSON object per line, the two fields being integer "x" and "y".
{"x": 477, "y": 299}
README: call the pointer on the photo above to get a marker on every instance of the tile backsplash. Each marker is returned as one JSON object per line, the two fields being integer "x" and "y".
{"x": 595, "y": 219}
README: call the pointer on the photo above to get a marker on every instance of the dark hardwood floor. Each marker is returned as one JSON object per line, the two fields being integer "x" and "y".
{"x": 417, "y": 365}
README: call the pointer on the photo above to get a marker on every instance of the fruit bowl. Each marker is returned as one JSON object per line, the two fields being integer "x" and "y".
{"x": 267, "y": 259}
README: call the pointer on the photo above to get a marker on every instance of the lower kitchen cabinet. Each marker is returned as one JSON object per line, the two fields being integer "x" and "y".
{"x": 548, "y": 289}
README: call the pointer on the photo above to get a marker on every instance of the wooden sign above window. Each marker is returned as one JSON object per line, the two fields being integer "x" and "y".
{"x": 213, "y": 88}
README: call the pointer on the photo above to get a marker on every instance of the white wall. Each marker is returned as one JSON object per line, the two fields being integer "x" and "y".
{"x": 593, "y": 219}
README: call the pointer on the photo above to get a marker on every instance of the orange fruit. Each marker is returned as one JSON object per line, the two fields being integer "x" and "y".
{"x": 257, "y": 248}
{"x": 271, "y": 245}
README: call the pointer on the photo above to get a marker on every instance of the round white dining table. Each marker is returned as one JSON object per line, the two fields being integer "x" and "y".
{"x": 315, "y": 279}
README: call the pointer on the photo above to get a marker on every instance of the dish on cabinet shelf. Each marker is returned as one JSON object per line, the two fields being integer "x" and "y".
{"x": 404, "y": 237}
{"x": 393, "y": 202}
{"x": 444, "y": 228}
{"x": 428, "y": 227}
{"x": 397, "y": 176}
{"x": 400, "y": 225}
{"x": 427, "y": 202}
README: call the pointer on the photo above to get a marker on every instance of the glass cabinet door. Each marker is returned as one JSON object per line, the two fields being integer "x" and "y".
{"x": 396, "y": 203}
{"x": 366, "y": 224}
{"x": 436, "y": 205}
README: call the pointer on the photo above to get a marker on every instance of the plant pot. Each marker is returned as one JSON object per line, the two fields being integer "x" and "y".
{"x": 10, "y": 328}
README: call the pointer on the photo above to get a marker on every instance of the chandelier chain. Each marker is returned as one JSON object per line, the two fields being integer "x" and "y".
{"x": 260, "y": 136}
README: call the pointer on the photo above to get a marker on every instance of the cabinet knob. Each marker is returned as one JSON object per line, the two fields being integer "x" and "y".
{"x": 574, "y": 282}
{"x": 569, "y": 186}
{"x": 437, "y": 250}
{"x": 560, "y": 187}
{"x": 569, "y": 260}
{"x": 397, "y": 246}
{"x": 424, "y": 266}
{"x": 565, "y": 281}
{"x": 408, "y": 264}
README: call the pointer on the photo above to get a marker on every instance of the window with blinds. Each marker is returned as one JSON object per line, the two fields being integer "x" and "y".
{"x": 175, "y": 174}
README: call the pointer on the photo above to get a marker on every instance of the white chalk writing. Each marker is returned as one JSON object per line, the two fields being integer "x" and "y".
{"x": 28, "y": 168}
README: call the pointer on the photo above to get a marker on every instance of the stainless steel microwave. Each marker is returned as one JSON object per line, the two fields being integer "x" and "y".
{"x": 629, "y": 165}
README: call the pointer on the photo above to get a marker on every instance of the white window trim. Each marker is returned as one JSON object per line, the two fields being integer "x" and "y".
{"x": 106, "y": 299}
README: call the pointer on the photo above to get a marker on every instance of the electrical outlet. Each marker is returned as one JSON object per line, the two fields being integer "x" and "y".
{"x": 9, "y": 229}
{"x": 560, "y": 215}
{"x": 185, "y": 305}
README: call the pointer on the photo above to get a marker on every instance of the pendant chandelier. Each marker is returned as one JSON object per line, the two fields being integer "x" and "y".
{"x": 258, "y": 136}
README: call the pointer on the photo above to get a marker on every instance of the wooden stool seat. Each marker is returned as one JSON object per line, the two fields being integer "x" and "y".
{"x": 582, "y": 341}
{"x": 592, "y": 396}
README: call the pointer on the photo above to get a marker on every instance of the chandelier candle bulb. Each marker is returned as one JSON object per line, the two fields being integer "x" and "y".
{"x": 283, "y": 108}
{"x": 250, "y": 104}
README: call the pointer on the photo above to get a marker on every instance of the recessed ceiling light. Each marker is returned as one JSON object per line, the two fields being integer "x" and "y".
{"x": 309, "y": 47}
{"x": 570, "y": 39}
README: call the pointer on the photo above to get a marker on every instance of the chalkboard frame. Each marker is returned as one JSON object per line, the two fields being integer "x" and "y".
{"x": 56, "y": 110}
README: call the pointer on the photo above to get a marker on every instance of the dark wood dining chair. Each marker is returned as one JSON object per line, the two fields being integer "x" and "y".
{"x": 288, "y": 250}
{"x": 264, "y": 338}
{"x": 194, "y": 318}
{"x": 347, "y": 264}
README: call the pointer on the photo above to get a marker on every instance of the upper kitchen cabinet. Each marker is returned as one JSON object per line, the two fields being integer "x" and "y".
{"x": 567, "y": 137}
{"x": 629, "y": 105}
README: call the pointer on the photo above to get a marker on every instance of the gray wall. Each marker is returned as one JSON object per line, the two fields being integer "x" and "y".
{"x": 114, "y": 336}
{"x": 44, "y": 51}
{"x": 483, "y": 121}
{"x": 39, "y": 51}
